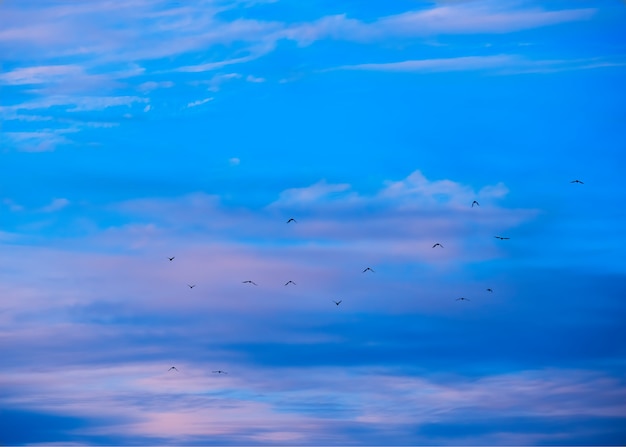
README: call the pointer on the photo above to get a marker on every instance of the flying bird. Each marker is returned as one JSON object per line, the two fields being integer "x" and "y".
{"x": 489, "y": 290}
{"x": 173, "y": 368}
{"x": 219, "y": 371}
{"x": 172, "y": 258}
{"x": 249, "y": 282}
{"x": 370, "y": 269}
{"x": 475, "y": 203}
{"x": 191, "y": 286}
{"x": 437, "y": 244}
{"x": 337, "y": 302}
{"x": 502, "y": 238}
{"x": 577, "y": 181}
{"x": 462, "y": 299}
{"x": 292, "y": 220}
{"x": 290, "y": 282}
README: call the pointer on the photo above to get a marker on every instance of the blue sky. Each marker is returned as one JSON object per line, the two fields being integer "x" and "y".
{"x": 140, "y": 130}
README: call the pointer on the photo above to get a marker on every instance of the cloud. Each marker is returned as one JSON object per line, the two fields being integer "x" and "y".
{"x": 502, "y": 64}
{"x": 104, "y": 102}
{"x": 440, "y": 65}
{"x": 467, "y": 18}
{"x": 100, "y": 40}
{"x": 200, "y": 102}
{"x": 303, "y": 196}
{"x": 55, "y": 205}
{"x": 254, "y": 79}
{"x": 41, "y": 141}
{"x": 40, "y": 74}
{"x": 234, "y": 161}
{"x": 152, "y": 85}
{"x": 12, "y": 205}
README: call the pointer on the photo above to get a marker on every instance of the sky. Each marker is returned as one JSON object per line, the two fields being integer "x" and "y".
{"x": 133, "y": 132}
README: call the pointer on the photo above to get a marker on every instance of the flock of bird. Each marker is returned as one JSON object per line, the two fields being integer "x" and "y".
{"x": 367, "y": 269}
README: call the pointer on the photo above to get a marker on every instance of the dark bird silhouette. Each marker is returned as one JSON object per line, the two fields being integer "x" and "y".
{"x": 290, "y": 282}
{"x": 173, "y": 368}
{"x": 219, "y": 371}
{"x": 172, "y": 258}
{"x": 191, "y": 286}
{"x": 502, "y": 238}
{"x": 475, "y": 203}
{"x": 249, "y": 282}
{"x": 462, "y": 299}
{"x": 489, "y": 290}
{"x": 577, "y": 181}
{"x": 437, "y": 244}
{"x": 292, "y": 220}
{"x": 337, "y": 302}
{"x": 368, "y": 268}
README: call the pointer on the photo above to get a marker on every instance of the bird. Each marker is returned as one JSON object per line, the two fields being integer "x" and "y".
{"x": 292, "y": 220}
{"x": 219, "y": 371}
{"x": 462, "y": 299}
{"x": 437, "y": 244}
{"x": 475, "y": 202}
{"x": 502, "y": 238}
{"x": 191, "y": 286}
{"x": 173, "y": 368}
{"x": 577, "y": 181}
{"x": 489, "y": 290}
{"x": 337, "y": 302}
{"x": 172, "y": 258}
{"x": 249, "y": 282}
{"x": 290, "y": 282}
{"x": 370, "y": 269}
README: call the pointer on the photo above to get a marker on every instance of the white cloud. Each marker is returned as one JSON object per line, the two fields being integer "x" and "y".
{"x": 55, "y": 205}
{"x": 251, "y": 78}
{"x": 41, "y": 141}
{"x": 234, "y": 161}
{"x": 468, "y": 18}
{"x": 40, "y": 74}
{"x": 318, "y": 191}
{"x": 199, "y": 102}
{"x": 12, "y": 205}
{"x": 103, "y": 102}
{"x": 151, "y": 85}
{"x": 440, "y": 65}
{"x": 501, "y": 64}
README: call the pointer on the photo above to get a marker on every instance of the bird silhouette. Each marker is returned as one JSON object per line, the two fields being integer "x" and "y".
{"x": 249, "y": 282}
{"x": 475, "y": 203}
{"x": 191, "y": 286}
{"x": 292, "y": 220}
{"x": 172, "y": 258}
{"x": 337, "y": 302}
{"x": 173, "y": 368}
{"x": 462, "y": 299}
{"x": 489, "y": 290}
{"x": 502, "y": 238}
{"x": 219, "y": 371}
{"x": 577, "y": 181}
{"x": 437, "y": 244}
{"x": 290, "y": 282}
{"x": 370, "y": 269}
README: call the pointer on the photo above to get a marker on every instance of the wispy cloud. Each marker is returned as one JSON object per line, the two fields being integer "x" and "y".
{"x": 86, "y": 50}
{"x": 440, "y": 65}
{"x": 502, "y": 64}
{"x": 41, "y": 141}
{"x": 199, "y": 102}
{"x": 462, "y": 18}
{"x": 55, "y": 205}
